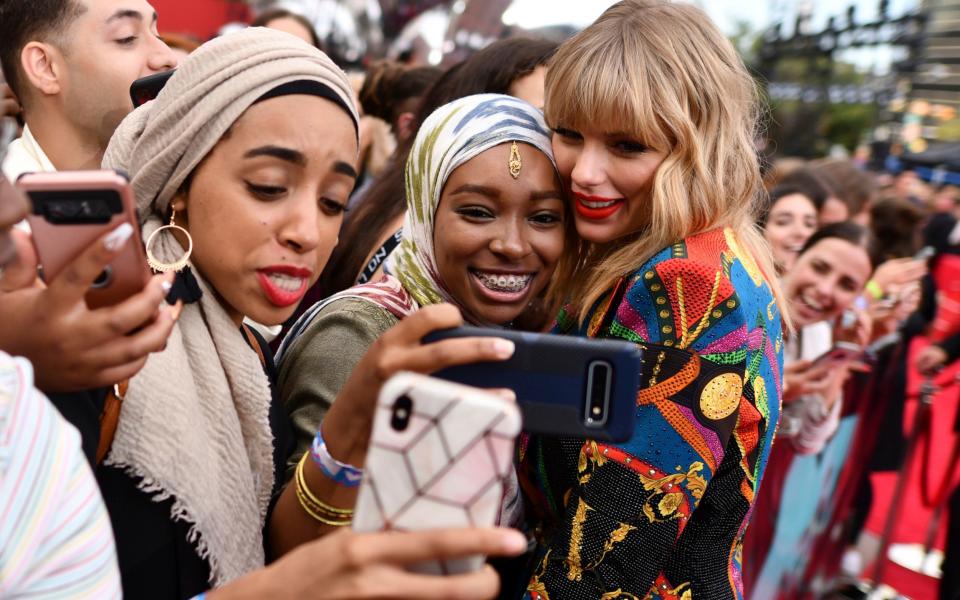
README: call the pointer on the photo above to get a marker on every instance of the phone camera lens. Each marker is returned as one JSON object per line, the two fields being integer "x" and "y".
{"x": 104, "y": 279}
{"x": 599, "y": 379}
{"x": 401, "y": 413}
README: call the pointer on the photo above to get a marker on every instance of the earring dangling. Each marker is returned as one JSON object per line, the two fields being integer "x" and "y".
{"x": 177, "y": 266}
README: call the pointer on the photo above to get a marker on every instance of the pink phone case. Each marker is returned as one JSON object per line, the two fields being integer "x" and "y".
{"x": 445, "y": 469}
{"x": 58, "y": 244}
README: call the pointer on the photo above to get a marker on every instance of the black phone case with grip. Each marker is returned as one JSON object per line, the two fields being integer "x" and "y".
{"x": 550, "y": 376}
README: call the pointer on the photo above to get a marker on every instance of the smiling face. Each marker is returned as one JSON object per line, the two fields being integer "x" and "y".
{"x": 264, "y": 208}
{"x": 610, "y": 177}
{"x": 791, "y": 222}
{"x": 497, "y": 239}
{"x": 826, "y": 279}
{"x": 111, "y": 45}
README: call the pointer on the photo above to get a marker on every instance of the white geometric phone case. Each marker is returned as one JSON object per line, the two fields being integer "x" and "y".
{"x": 436, "y": 461}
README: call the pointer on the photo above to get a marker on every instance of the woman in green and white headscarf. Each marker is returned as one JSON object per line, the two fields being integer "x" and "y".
{"x": 486, "y": 225}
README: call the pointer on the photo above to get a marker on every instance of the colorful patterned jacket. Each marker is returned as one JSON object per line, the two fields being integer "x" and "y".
{"x": 663, "y": 515}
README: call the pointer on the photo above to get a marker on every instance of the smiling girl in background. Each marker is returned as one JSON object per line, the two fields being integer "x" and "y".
{"x": 788, "y": 222}
{"x": 814, "y": 436}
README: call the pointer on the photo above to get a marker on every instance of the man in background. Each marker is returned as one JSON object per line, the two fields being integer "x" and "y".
{"x": 70, "y": 64}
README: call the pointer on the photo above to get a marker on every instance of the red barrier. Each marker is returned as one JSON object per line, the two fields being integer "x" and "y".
{"x": 199, "y": 18}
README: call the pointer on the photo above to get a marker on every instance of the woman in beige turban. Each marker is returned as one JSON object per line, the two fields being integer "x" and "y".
{"x": 249, "y": 152}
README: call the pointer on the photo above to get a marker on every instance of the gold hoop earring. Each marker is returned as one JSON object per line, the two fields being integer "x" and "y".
{"x": 177, "y": 266}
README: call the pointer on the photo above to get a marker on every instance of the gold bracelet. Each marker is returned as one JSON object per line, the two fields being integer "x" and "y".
{"x": 304, "y": 504}
{"x": 316, "y": 508}
{"x": 321, "y": 505}
{"x": 318, "y": 513}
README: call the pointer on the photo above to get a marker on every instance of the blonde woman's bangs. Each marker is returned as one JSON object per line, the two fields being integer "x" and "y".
{"x": 595, "y": 90}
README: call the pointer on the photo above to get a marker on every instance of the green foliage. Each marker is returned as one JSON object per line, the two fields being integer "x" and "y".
{"x": 845, "y": 123}
{"x": 808, "y": 130}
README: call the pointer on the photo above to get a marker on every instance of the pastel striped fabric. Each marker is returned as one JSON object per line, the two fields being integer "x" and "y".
{"x": 55, "y": 535}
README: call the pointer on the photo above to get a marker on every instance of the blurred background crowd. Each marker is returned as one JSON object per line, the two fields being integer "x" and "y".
{"x": 861, "y": 125}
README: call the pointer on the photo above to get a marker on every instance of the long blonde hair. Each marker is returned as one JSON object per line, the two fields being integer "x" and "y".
{"x": 665, "y": 75}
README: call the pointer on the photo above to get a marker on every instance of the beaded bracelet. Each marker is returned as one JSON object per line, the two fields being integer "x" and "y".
{"x": 340, "y": 473}
{"x": 320, "y": 511}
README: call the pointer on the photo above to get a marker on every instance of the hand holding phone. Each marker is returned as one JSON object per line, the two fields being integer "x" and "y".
{"x": 347, "y": 425}
{"x": 806, "y": 378}
{"x": 438, "y": 459}
{"x": 72, "y": 209}
{"x": 565, "y": 385}
{"x": 841, "y": 352}
{"x": 71, "y": 346}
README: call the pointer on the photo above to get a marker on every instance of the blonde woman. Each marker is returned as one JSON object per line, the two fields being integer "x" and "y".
{"x": 653, "y": 116}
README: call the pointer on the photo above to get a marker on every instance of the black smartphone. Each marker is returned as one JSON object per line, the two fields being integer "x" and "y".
{"x": 148, "y": 88}
{"x": 565, "y": 385}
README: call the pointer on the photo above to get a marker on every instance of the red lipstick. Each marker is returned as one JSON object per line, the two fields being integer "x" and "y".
{"x": 283, "y": 295}
{"x": 596, "y": 208}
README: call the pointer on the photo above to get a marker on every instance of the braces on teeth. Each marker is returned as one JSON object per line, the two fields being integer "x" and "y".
{"x": 505, "y": 283}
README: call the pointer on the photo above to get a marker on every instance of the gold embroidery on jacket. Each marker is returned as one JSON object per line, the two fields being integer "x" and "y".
{"x": 574, "y": 570}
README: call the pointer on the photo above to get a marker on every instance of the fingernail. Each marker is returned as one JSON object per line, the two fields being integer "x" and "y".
{"x": 118, "y": 237}
{"x": 514, "y": 542}
{"x": 166, "y": 286}
{"x": 503, "y": 348}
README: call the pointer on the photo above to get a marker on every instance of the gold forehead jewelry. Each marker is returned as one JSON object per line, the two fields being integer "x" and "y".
{"x": 516, "y": 163}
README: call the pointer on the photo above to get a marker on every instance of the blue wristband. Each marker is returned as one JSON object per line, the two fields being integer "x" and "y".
{"x": 340, "y": 473}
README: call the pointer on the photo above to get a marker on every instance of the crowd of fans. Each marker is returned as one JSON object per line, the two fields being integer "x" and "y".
{"x": 176, "y": 445}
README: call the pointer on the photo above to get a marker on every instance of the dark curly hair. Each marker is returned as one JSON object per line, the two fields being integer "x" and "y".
{"x": 389, "y": 85}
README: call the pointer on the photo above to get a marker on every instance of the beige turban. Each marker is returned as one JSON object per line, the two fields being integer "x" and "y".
{"x": 162, "y": 142}
{"x": 194, "y": 426}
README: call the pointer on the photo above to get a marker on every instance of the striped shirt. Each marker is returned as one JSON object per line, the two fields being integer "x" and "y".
{"x": 55, "y": 536}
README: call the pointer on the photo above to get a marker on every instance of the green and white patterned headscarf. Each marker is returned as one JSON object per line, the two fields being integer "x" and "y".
{"x": 451, "y": 136}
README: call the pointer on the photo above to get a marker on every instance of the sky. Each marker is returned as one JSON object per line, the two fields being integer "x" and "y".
{"x": 726, "y": 13}
{"x": 822, "y": 9}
